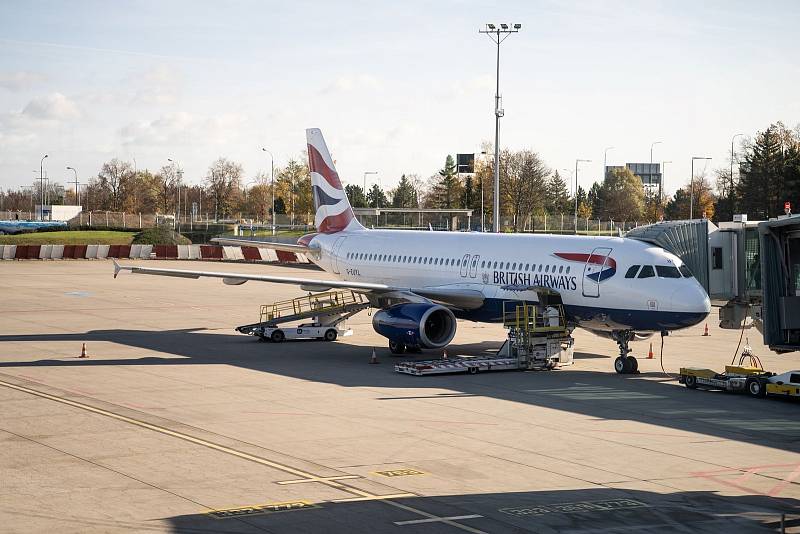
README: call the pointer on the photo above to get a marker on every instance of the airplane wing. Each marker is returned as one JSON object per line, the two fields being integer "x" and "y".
{"x": 260, "y": 244}
{"x": 459, "y": 298}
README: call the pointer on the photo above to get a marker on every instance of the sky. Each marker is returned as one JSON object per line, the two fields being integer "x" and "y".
{"x": 395, "y": 86}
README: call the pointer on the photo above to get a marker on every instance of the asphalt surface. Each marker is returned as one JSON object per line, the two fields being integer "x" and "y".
{"x": 177, "y": 423}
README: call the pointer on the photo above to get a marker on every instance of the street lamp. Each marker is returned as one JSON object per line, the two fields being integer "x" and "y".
{"x": 483, "y": 227}
{"x": 77, "y": 198}
{"x": 576, "y": 190}
{"x": 691, "y": 187}
{"x": 498, "y": 35}
{"x": 730, "y": 194}
{"x": 365, "y": 184}
{"x": 605, "y": 159}
{"x": 661, "y": 187}
{"x": 654, "y": 143}
{"x": 41, "y": 186}
{"x": 272, "y": 180}
{"x": 178, "y": 186}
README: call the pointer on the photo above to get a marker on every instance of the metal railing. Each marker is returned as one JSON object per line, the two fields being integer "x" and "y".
{"x": 317, "y": 303}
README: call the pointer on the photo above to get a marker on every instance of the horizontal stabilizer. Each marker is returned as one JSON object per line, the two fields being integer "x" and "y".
{"x": 287, "y": 247}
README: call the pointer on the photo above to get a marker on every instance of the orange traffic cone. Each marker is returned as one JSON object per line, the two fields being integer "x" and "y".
{"x": 650, "y": 354}
{"x": 705, "y": 331}
{"x": 83, "y": 352}
{"x": 374, "y": 357}
{"x": 444, "y": 354}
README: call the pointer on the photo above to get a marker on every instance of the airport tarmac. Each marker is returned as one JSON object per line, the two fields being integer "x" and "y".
{"x": 177, "y": 423}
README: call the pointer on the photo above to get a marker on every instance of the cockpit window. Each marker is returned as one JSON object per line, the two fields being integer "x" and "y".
{"x": 685, "y": 271}
{"x": 667, "y": 271}
{"x": 647, "y": 272}
{"x": 632, "y": 270}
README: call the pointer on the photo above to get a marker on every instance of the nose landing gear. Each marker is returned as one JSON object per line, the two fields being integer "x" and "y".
{"x": 625, "y": 364}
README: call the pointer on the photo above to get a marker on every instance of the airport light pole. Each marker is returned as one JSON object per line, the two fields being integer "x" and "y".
{"x": 576, "y": 190}
{"x": 178, "y": 186}
{"x": 498, "y": 35}
{"x": 365, "y": 184}
{"x": 77, "y": 198}
{"x": 691, "y": 186}
{"x": 730, "y": 194}
{"x": 41, "y": 186}
{"x": 654, "y": 143}
{"x": 661, "y": 188}
{"x": 483, "y": 227}
{"x": 605, "y": 159}
{"x": 272, "y": 181}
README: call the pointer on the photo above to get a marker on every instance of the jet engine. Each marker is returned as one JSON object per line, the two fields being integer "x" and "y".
{"x": 428, "y": 326}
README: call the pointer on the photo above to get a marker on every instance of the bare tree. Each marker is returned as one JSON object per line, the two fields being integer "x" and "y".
{"x": 114, "y": 177}
{"x": 523, "y": 179}
{"x": 223, "y": 181}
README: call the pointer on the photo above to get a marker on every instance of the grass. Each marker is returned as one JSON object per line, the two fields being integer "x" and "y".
{"x": 77, "y": 237}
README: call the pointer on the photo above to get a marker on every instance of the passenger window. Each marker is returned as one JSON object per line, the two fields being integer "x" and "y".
{"x": 667, "y": 271}
{"x": 540, "y": 267}
{"x": 495, "y": 265}
{"x": 527, "y": 266}
{"x": 483, "y": 264}
{"x": 514, "y": 267}
{"x": 547, "y": 268}
{"x": 560, "y": 269}
{"x": 567, "y": 269}
{"x": 632, "y": 270}
{"x": 647, "y": 272}
{"x": 458, "y": 263}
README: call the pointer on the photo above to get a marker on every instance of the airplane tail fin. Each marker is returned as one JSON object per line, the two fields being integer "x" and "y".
{"x": 332, "y": 209}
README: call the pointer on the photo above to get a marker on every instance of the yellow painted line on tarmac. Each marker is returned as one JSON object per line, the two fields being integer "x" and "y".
{"x": 261, "y": 509}
{"x": 317, "y": 479}
{"x": 399, "y": 473}
{"x": 362, "y": 495}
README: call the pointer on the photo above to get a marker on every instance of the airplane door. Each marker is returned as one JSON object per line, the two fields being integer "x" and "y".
{"x": 592, "y": 270}
{"x": 465, "y": 265}
{"x": 335, "y": 254}
{"x": 473, "y": 267}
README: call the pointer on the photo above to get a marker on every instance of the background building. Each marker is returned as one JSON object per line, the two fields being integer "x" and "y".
{"x": 648, "y": 173}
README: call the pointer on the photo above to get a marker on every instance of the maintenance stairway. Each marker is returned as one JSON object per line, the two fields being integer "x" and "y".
{"x": 326, "y": 309}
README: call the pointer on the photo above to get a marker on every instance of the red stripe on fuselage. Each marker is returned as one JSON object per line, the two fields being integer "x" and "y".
{"x": 316, "y": 163}
{"x": 597, "y": 259}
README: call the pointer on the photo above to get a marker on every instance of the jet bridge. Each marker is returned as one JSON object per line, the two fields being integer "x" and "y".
{"x": 748, "y": 268}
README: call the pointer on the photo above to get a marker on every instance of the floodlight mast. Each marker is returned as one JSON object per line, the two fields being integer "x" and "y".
{"x": 498, "y": 35}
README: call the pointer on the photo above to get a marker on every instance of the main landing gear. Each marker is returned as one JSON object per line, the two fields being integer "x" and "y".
{"x": 625, "y": 364}
{"x": 400, "y": 348}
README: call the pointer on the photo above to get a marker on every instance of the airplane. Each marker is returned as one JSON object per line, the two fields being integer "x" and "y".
{"x": 423, "y": 281}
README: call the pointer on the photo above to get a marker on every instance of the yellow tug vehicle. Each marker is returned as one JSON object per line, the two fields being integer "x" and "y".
{"x": 753, "y": 380}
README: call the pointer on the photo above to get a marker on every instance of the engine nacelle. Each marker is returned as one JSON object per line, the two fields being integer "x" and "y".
{"x": 429, "y": 326}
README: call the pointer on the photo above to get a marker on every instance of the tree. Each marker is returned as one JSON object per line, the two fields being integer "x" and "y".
{"x": 223, "y": 181}
{"x": 523, "y": 176}
{"x": 114, "y": 177}
{"x": 594, "y": 201}
{"x": 769, "y": 172}
{"x": 404, "y": 195}
{"x": 141, "y": 193}
{"x": 621, "y": 196}
{"x": 293, "y": 185}
{"x": 584, "y": 208}
{"x": 355, "y": 194}
{"x": 446, "y": 190}
{"x": 259, "y": 197}
{"x": 726, "y": 195}
{"x": 557, "y": 199}
{"x": 703, "y": 203}
{"x": 376, "y": 198}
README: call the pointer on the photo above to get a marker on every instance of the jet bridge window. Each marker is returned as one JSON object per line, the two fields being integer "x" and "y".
{"x": 647, "y": 272}
{"x": 667, "y": 271}
{"x": 632, "y": 270}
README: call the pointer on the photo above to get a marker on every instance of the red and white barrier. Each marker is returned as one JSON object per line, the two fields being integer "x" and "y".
{"x": 143, "y": 252}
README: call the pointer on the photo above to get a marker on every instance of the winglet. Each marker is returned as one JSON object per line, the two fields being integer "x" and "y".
{"x": 117, "y": 268}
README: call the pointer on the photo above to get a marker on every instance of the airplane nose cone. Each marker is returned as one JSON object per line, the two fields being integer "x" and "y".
{"x": 691, "y": 298}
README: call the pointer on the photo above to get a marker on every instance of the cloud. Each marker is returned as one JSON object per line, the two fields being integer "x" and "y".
{"x": 161, "y": 86}
{"x": 19, "y": 80}
{"x": 349, "y": 83}
{"x": 54, "y": 106}
{"x": 181, "y": 128}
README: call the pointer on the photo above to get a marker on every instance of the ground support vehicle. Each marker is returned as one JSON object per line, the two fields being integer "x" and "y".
{"x": 753, "y": 380}
{"x": 327, "y": 310}
{"x": 538, "y": 340}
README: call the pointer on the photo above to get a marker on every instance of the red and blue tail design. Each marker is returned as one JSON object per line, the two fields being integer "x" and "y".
{"x": 607, "y": 264}
{"x": 333, "y": 211}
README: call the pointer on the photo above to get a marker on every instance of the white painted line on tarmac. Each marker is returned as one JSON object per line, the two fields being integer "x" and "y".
{"x": 437, "y": 519}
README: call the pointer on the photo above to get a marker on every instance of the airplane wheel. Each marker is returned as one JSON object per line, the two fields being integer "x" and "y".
{"x": 621, "y": 365}
{"x": 690, "y": 381}
{"x": 330, "y": 335}
{"x": 633, "y": 365}
{"x": 396, "y": 348}
{"x": 277, "y": 336}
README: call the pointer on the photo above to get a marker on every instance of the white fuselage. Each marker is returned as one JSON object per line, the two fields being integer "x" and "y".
{"x": 588, "y": 272}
